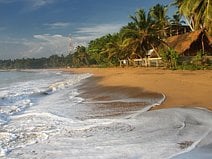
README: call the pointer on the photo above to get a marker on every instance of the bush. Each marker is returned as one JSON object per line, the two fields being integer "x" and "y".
{"x": 170, "y": 58}
{"x": 197, "y": 60}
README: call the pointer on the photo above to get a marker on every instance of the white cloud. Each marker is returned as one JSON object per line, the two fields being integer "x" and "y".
{"x": 39, "y": 3}
{"x": 34, "y": 3}
{"x": 40, "y": 46}
{"x": 49, "y": 44}
{"x": 44, "y": 45}
{"x": 99, "y": 30}
{"x": 81, "y": 40}
{"x": 85, "y": 34}
{"x": 31, "y": 5}
{"x": 57, "y": 25}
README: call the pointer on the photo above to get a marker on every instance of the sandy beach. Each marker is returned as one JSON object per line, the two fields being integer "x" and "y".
{"x": 105, "y": 115}
{"x": 181, "y": 88}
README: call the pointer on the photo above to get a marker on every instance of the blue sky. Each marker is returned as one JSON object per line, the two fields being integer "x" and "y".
{"x": 40, "y": 28}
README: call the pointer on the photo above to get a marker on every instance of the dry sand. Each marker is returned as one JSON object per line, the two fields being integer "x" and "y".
{"x": 181, "y": 88}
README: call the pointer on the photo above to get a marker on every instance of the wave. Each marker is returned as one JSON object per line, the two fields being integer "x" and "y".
{"x": 51, "y": 125}
{"x": 155, "y": 134}
{"x": 16, "y": 99}
{"x": 75, "y": 79}
{"x": 19, "y": 133}
{"x": 15, "y": 115}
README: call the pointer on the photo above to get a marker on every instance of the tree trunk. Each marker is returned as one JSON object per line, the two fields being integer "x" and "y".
{"x": 203, "y": 47}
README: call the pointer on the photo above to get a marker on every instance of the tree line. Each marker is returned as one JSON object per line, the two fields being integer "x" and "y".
{"x": 146, "y": 30}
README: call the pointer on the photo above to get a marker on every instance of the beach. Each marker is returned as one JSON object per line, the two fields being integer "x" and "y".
{"x": 105, "y": 113}
{"x": 182, "y": 88}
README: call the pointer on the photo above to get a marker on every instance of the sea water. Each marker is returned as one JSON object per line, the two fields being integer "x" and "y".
{"x": 43, "y": 116}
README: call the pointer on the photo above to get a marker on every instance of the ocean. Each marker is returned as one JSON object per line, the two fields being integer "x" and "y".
{"x": 43, "y": 116}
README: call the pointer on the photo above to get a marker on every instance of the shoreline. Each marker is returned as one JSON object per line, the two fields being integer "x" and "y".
{"x": 111, "y": 109}
{"x": 181, "y": 88}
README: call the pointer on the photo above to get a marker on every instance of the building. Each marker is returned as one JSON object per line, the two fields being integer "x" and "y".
{"x": 189, "y": 44}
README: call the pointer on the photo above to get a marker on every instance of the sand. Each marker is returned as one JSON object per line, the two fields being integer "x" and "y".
{"x": 181, "y": 88}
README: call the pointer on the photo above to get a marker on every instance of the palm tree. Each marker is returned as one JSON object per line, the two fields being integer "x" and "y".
{"x": 203, "y": 14}
{"x": 141, "y": 37}
{"x": 82, "y": 55}
{"x": 158, "y": 14}
{"x": 184, "y": 9}
{"x": 196, "y": 13}
{"x": 176, "y": 24}
{"x": 176, "y": 20}
{"x": 113, "y": 50}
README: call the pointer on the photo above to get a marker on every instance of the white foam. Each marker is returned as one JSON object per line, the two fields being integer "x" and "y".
{"x": 154, "y": 134}
{"x": 148, "y": 107}
{"x": 75, "y": 79}
{"x": 29, "y": 128}
{"x": 56, "y": 127}
{"x": 3, "y": 118}
{"x": 39, "y": 122}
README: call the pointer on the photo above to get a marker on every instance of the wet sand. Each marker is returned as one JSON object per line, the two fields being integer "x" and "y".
{"x": 181, "y": 88}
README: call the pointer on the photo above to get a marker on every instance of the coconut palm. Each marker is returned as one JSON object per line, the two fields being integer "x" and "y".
{"x": 134, "y": 38}
{"x": 158, "y": 14}
{"x": 203, "y": 14}
{"x": 196, "y": 13}
{"x": 184, "y": 9}
{"x": 114, "y": 49}
{"x": 176, "y": 24}
{"x": 143, "y": 36}
{"x": 80, "y": 57}
{"x": 176, "y": 19}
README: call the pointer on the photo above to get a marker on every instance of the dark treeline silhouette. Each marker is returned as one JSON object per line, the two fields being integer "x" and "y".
{"x": 53, "y": 61}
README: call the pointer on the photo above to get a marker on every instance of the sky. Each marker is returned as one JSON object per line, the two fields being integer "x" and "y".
{"x": 41, "y": 28}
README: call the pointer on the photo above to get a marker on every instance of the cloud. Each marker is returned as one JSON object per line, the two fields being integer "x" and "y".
{"x": 40, "y": 46}
{"x": 85, "y": 34}
{"x": 81, "y": 40}
{"x": 7, "y": 1}
{"x": 44, "y": 45}
{"x": 99, "y": 30}
{"x": 47, "y": 45}
{"x": 57, "y": 25}
{"x": 35, "y": 4}
{"x": 2, "y": 28}
{"x": 30, "y": 5}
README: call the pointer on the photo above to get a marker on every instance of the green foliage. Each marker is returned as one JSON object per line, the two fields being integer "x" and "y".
{"x": 146, "y": 31}
{"x": 197, "y": 13}
{"x": 158, "y": 14}
{"x": 197, "y": 60}
{"x": 170, "y": 58}
{"x": 53, "y": 61}
{"x": 96, "y": 49}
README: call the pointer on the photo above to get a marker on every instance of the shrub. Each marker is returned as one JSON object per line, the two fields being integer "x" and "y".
{"x": 170, "y": 58}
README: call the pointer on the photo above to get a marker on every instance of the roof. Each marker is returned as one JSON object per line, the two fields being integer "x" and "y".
{"x": 181, "y": 43}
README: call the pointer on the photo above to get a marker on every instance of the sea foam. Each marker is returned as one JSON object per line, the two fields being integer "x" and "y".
{"x": 57, "y": 125}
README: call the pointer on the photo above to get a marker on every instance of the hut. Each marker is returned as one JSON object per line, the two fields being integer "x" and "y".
{"x": 152, "y": 58}
{"x": 189, "y": 44}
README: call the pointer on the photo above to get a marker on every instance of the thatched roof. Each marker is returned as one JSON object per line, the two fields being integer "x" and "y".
{"x": 183, "y": 42}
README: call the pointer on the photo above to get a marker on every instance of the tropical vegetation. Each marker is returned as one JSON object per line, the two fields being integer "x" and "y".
{"x": 146, "y": 31}
{"x": 198, "y": 14}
